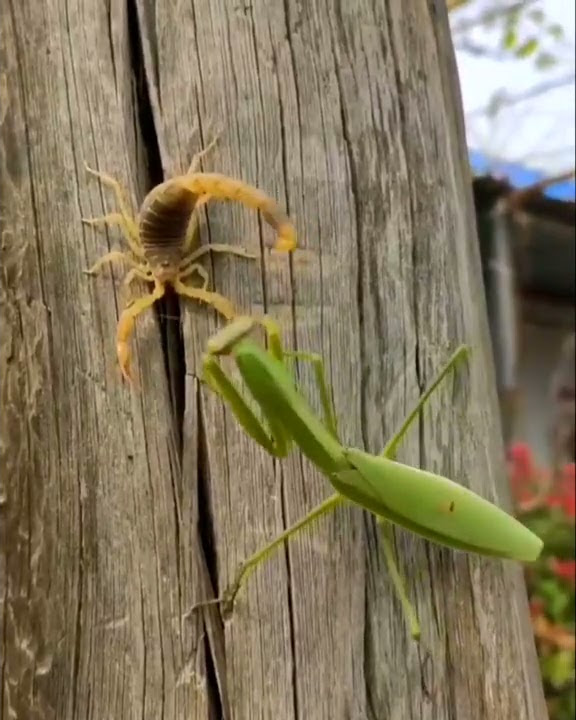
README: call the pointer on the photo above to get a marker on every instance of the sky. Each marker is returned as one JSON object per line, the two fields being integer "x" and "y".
{"x": 539, "y": 132}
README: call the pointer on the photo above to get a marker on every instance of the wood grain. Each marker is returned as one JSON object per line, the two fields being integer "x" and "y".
{"x": 350, "y": 115}
{"x": 98, "y": 528}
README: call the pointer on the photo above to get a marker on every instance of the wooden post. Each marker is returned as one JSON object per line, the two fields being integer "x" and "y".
{"x": 117, "y": 504}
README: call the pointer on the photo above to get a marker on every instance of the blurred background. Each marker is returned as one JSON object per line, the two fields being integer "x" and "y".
{"x": 516, "y": 63}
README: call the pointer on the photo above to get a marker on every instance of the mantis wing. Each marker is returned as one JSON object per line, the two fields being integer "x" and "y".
{"x": 434, "y": 507}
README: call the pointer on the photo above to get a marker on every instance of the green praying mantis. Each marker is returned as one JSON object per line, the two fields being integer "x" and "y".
{"x": 429, "y": 505}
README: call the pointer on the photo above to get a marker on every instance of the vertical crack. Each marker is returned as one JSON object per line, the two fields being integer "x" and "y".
{"x": 205, "y": 526}
{"x": 168, "y": 309}
{"x": 215, "y": 707}
{"x": 142, "y": 96}
{"x": 169, "y": 320}
{"x": 215, "y": 687}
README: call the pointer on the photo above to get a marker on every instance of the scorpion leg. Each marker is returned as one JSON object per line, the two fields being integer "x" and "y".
{"x": 128, "y": 231}
{"x": 195, "y": 168}
{"x": 195, "y": 164}
{"x": 219, "y": 248}
{"x": 138, "y": 272}
{"x": 195, "y": 268}
{"x": 191, "y": 255}
{"x": 218, "y": 302}
{"x": 113, "y": 256}
{"x": 192, "y": 230}
{"x": 114, "y": 185}
{"x": 189, "y": 265}
{"x": 124, "y": 218}
{"x": 126, "y": 326}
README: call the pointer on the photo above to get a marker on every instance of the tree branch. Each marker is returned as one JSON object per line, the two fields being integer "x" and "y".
{"x": 507, "y": 100}
{"x": 487, "y": 16}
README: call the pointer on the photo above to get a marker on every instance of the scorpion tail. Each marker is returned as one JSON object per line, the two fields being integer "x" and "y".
{"x": 214, "y": 185}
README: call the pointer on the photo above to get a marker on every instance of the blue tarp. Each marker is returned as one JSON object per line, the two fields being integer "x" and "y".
{"x": 519, "y": 176}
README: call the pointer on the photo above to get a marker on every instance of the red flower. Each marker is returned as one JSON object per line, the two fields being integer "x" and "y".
{"x": 564, "y": 569}
{"x": 536, "y": 607}
{"x": 564, "y": 493}
{"x": 521, "y": 462}
{"x": 524, "y": 476}
{"x": 528, "y": 482}
{"x": 569, "y": 489}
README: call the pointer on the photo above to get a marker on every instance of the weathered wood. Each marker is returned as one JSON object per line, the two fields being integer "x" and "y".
{"x": 99, "y": 530}
{"x": 350, "y": 116}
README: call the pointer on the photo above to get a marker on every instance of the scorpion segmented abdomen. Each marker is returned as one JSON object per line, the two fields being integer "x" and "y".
{"x": 164, "y": 219}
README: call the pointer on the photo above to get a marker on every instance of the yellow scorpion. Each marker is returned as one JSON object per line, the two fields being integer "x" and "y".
{"x": 162, "y": 240}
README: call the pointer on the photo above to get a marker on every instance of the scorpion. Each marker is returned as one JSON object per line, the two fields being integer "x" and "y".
{"x": 162, "y": 240}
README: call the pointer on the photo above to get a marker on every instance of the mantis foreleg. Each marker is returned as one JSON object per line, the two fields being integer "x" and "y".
{"x": 279, "y": 443}
{"x": 227, "y": 390}
{"x": 223, "y": 386}
{"x": 273, "y": 439}
{"x": 322, "y": 385}
{"x": 220, "y": 383}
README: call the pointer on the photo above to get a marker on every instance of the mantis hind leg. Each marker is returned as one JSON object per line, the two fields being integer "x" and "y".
{"x": 222, "y": 385}
{"x": 228, "y": 598}
{"x": 396, "y": 576}
{"x": 460, "y": 354}
{"x": 385, "y": 526}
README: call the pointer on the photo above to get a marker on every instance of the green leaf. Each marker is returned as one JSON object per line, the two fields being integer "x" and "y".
{"x": 547, "y": 589}
{"x": 556, "y": 596}
{"x": 545, "y": 60}
{"x": 510, "y": 39}
{"x": 513, "y": 16}
{"x": 537, "y": 16}
{"x": 558, "y": 535}
{"x": 556, "y": 31}
{"x": 558, "y": 668}
{"x": 528, "y": 48}
{"x": 558, "y": 606}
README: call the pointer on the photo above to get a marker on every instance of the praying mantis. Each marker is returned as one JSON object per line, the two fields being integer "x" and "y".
{"x": 427, "y": 504}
